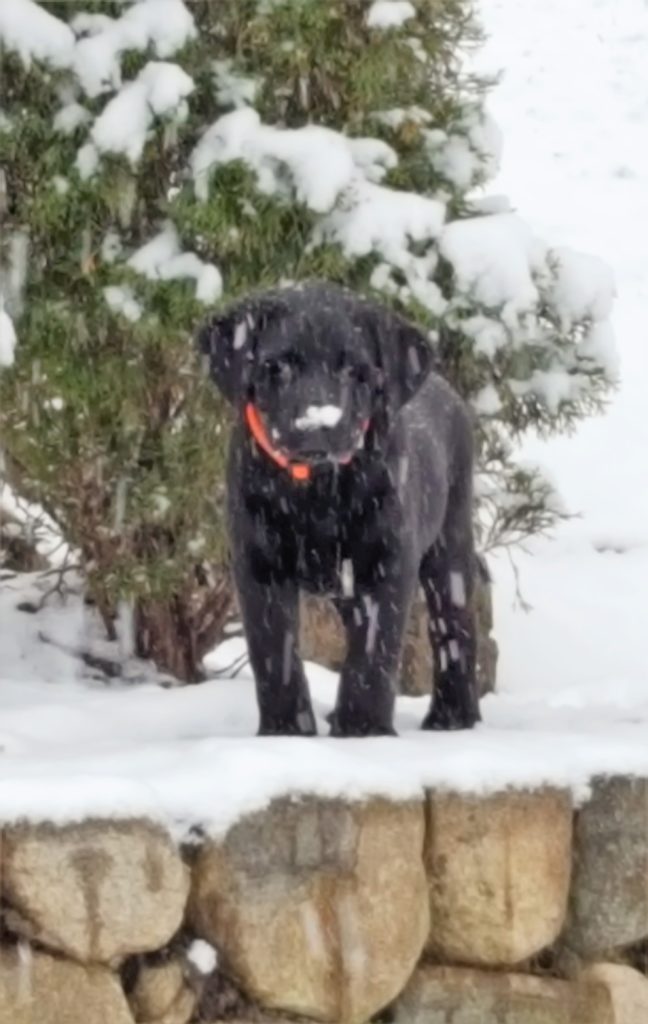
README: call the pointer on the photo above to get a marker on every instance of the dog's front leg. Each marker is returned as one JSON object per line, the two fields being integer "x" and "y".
{"x": 270, "y": 619}
{"x": 375, "y": 624}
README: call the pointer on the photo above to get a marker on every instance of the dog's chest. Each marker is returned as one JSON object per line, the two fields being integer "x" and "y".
{"x": 332, "y": 535}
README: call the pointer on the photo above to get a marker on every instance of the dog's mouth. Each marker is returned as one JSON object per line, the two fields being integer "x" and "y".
{"x": 300, "y": 459}
{"x": 318, "y": 456}
{"x": 315, "y": 457}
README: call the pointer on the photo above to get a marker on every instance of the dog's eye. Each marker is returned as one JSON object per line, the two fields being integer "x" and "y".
{"x": 361, "y": 373}
{"x": 278, "y": 371}
{"x": 355, "y": 371}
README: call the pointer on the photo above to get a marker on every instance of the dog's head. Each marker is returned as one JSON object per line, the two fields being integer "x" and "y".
{"x": 318, "y": 363}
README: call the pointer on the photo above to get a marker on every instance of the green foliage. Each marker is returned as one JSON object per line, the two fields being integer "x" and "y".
{"x": 116, "y": 431}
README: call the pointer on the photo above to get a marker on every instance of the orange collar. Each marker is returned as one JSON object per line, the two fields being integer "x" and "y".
{"x": 300, "y": 471}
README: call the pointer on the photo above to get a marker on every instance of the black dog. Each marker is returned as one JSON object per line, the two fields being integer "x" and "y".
{"x": 350, "y": 474}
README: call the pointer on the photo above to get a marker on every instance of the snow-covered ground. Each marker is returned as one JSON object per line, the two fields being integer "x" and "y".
{"x": 188, "y": 757}
{"x": 573, "y": 697}
{"x": 571, "y": 106}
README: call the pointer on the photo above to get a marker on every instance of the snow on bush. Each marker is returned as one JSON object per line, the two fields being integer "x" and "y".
{"x": 7, "y": 339}
{"x": 160, "y": 89}
{"x": 390, "y": 13}
{"x": 498, "y": 266}
{"x": 35, "y": 34}
{"x": 162, "y": 258}
{"x": 347, "y": 148}
{"x": 469, "y": 153}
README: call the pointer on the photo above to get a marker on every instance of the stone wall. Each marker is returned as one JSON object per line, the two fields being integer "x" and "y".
{"x": 512, "y": 908}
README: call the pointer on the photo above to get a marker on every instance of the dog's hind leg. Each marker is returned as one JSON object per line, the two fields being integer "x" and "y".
{"x": 447, "y": 575}
{"x": 270, "y": 620}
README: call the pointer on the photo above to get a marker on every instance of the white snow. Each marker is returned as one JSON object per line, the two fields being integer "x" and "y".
{"x": 469, "y": 154}
{"x": 458, "y": 589}
{"x": 233, "y": 89}
{"x": 318, "y": 160}
{"x": 31, "y": 31}
{"x": 123, "y": 125}
{"x": 27, "y": 28}
{"x": 121, "y": 299}
{"x": 60, "y": 184}
{"x": 34, "y": 522}
{"x": 573, "y": 674}
{"x": 584, "y": 287}
{"x": 56, "y": 404}
{"x": 70, "y": 117}
{"x": 162, "y": 259}
{"x": 165, "y": 25}
{"x": 487, "y": 402}
{"x": 488, "y": 335}
{"x": 494, "y": 259}
{"x": 576, "y": 165}
{"x": 203, "y": 956}
{"x": 87, "y": 161}
{"x": 7, "y": 338}
{"x": 347, "y": 580}
{"x": 188, "y": 756}
{"x": 316, "y": 416}
{"x": 390, "y": 13}
{"x": 373, "y": 157}
{"x": 371, "y": 218}
{"x": 397, "y": 116}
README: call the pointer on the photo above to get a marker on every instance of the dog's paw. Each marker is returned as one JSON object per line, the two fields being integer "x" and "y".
{"x": 445, "y": 719}
{"x": 355, "y": 726}
{"x": 303, "y": 724}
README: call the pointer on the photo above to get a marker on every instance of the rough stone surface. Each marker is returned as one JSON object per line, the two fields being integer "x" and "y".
{"x": 97, "y": 891}
{"x": 317, "y": 907}
{"x": 498, "y": 870}
{"x": 322, "y": 640}
{"x": 454, "y": 995}
{"x": 627, "y": 991}
{"x": 321, "y": 634}
{"x": 609, "y": 901}
{"x": 39, "y": 989}
{"x": 161, "y": 994}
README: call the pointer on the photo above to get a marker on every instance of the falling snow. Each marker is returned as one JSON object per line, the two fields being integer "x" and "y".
{"x": 458, "y": 589}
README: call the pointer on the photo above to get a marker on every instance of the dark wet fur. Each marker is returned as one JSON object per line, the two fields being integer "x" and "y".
{"x": 398, "y": 515}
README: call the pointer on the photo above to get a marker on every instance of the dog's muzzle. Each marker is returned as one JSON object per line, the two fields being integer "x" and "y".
{"x": 298, "y": 469}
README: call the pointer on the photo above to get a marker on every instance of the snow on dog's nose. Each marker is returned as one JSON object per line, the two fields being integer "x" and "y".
{"x": 318, "y": 416}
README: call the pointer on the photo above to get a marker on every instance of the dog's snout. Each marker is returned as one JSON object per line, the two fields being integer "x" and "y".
{"x": 314, "y": 442}
{"x": 319, "y": 418}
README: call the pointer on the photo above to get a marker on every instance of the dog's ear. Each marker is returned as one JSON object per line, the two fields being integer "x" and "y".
{"x": 229, "y": 341}
{"x": 403, "y": 355}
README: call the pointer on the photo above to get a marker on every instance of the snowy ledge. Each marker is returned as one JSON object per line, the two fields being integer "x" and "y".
{"x": 159, "y": 861}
